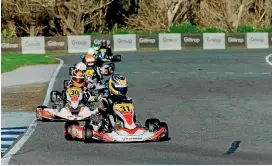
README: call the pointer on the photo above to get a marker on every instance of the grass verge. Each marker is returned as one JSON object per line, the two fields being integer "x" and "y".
{"x": 12, "y": 61}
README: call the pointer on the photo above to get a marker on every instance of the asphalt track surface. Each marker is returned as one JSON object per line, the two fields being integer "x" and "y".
{"x": 208, "y": 98}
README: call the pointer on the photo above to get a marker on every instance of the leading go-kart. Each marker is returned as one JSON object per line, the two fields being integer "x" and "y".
{"x": 109, "y": 57}
{"x": 126, "y": 128}
{"x": 66, "y": 107}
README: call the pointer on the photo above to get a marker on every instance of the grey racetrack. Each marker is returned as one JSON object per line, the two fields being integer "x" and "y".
{"x": 208, "y": 98}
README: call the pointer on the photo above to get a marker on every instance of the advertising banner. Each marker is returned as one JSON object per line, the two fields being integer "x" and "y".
{"x": 56, "y": 44}
{"x": 79, "y": 44}
{"x": 257, "y": 40}
{"x": 96, "y": 39}
{"x": 11, "y": 44}
{"x": 126, "y": 42}
{"x": 170, "y": 41}
{"x": 193, "y": 41}
{"x": 236, "y": 40}
{"x": 147, "y": 42}
{"x": 213, "y": 41}
{"x": 33, "y": 45}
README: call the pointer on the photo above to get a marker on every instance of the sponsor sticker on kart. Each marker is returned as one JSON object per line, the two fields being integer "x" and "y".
{"x": 73, "y": 91}
{"x": 53, "y": 44}
{"x": 126, "y": 42}
{"x": 132, "y": 138}
{"x": 236, "y": 40}
{"x": 171, "y": 41}
{"x": 257, "y": 40}
{"x": 214, "y": 41}
{"x": 33, "y": 45}
{"x": 191, "y": 41}
{"x": 147, "y": 42}
{"x": 270, "y": 39}
{"x": 124, "y": 107}
{"x": 11, "y": 44}
{"x": 79, "y": 44}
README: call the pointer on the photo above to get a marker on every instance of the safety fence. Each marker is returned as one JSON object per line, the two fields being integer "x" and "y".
{"x": 136, "y": 42}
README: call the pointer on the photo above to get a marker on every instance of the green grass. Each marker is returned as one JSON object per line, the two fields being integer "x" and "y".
{"x": 11, "y": 61}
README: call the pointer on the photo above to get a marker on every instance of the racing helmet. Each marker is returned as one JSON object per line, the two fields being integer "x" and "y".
{"x": 78, "y": 79}
{"x": 96, "y": 47}
{"x": 103, "y": 43}
{"x": 80, "y": 67}
{"x": 118, "y": 85}
{"x": 90, "y": 60}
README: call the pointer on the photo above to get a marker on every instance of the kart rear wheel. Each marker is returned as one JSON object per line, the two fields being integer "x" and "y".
{"x": 152, "y": 124}
{"x": 88, "y": 133}
{"x": 164, "y": 125}
{"x": 67, "y": 130}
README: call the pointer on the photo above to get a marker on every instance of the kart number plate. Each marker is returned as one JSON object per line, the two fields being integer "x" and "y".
{"x": 89, "y": 72}
{"x": 73, "y": 91}
{"x": 103, "y": 50}
{"x": 124, "y": 107}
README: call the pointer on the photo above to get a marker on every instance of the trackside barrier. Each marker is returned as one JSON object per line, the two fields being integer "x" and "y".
{"x": 142, "y": 42}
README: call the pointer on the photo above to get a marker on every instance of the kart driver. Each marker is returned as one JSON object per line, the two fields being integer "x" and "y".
{"x": 91, "y": 62}
{"x": 78, "y": 80}
{"x": 117, "y": 91}
{"x": 104, "y": 45}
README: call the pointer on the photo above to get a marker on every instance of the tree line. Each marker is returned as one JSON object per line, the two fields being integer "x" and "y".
{"x": 75, "y": 17}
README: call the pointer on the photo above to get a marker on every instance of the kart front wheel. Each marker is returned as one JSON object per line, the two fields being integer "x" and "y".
{"x": 166, "y": 132}
{"x": 68, "y": 130}
{"x": 88, "y": 129}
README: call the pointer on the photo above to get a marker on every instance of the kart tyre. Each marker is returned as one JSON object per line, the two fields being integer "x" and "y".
{"x": 164, "y": 125}
{"x": 116, "y": 58}
{"x": 88, "y": 133}
{"x": 39, "y": 118}
{"x": 152, "y": 124}
{"x": 67, "y": 128}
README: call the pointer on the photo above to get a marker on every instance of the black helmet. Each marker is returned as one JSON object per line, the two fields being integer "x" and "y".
{"x": 103, "y": 43}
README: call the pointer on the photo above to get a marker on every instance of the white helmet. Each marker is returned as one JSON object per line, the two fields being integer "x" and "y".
{"x": 91, "y": 51}
{"x": 81, "y": 66}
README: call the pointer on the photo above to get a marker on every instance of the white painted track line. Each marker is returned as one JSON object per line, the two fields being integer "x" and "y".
{"x": 267, "y": 59}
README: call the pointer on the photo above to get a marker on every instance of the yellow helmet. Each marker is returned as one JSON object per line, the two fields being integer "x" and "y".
{"x": 118, "y": 85}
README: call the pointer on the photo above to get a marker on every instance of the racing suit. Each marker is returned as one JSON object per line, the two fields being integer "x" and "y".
{"x": 108, "y": 48}
{"x": 105, "y": 108}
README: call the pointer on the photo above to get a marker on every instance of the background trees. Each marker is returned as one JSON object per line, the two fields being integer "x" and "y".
{"x": 72, "y": 17}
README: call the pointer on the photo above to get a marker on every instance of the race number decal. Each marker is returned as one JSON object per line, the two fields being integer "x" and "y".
{"x": 89, "y": 72}
{"x": 73, "y": 91}
{"x": 124, "y": 107}
{"x": 103, "y": 50}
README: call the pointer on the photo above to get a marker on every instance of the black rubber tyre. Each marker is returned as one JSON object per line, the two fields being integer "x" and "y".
{"x": 88, "y": 134}
{"x": 152, "y": 124}
{"x": 67, "y": 136}
{"x": 164, "y": 124}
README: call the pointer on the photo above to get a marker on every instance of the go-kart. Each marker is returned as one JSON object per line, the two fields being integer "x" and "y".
{"x": 126, "y": 128}
{"x": 106, "y": 70}
{"x": 66, "y": 107}
{"x": 109, "y": 57}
